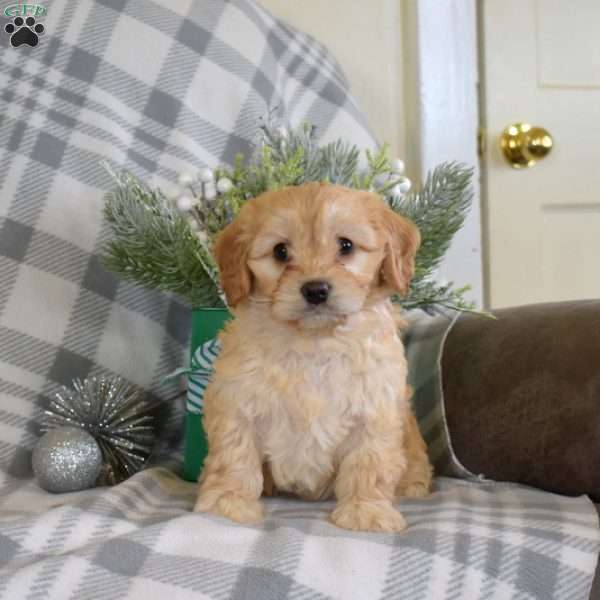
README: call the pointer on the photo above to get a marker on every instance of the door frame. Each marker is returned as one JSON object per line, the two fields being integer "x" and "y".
{"x": 442, "y": 100}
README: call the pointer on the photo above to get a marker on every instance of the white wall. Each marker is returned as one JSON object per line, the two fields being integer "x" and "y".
{"x": 366, "y": 39}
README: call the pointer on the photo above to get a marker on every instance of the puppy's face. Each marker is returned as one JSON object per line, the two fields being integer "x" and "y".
{"x": 316, "y": 253}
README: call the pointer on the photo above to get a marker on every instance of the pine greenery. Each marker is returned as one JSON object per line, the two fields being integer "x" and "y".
{"x": 156, "y": 245}
{"x": 439, "y": 210}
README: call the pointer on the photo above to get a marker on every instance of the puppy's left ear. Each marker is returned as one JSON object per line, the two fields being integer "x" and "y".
{"x": 231, "y": 252}
{"x": 403, "y": 241}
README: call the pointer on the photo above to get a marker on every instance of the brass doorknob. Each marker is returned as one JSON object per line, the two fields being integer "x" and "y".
{"x": 523, "y": 144}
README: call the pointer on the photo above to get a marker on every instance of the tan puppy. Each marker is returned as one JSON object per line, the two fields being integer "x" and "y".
{"x": 309, "y": 390}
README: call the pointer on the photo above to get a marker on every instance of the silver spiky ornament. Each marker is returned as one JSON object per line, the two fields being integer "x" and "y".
{"x": 115, "y": 414}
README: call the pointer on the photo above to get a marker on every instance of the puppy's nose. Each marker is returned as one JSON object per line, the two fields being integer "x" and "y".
{"x": 315, "y": 292}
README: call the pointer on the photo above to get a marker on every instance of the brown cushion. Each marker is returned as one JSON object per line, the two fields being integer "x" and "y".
{"x": 522, "y": 395}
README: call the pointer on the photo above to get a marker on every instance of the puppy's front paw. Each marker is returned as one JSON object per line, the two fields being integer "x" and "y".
{"x": 230, "y": 505}
{"x": 368, "y": 516}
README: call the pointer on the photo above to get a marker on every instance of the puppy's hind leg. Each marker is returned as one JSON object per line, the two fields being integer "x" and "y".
{"x": 232, "y": 479}
{"x": 416, "y": 481}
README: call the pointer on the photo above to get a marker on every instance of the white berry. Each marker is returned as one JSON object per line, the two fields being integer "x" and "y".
{"x": 185, "y": 203}
{"x": 185, "y": 179}
{"x": 205, "y": 175}
{"x": 404, "y": 186}
{"x": 398, "y": 166}
{"x": 210, "y": 191}
{"x": 224, "y": 185}
{"x": 172, "y": 192}
{"x": 282, "y": 132}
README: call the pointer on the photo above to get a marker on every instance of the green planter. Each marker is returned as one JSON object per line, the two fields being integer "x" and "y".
{"x": 206, "y": 324}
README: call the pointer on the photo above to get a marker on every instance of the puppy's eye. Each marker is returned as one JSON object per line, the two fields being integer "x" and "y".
{"x": 346, "y": 246}
{"x": 280, "y": 252}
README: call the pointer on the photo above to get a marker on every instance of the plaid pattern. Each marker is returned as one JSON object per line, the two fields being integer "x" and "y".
{"x": 139, "y": 540}
{"x": 157, "y": 87}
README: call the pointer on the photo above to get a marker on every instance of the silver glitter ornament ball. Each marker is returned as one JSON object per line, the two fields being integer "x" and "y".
{"x": 66, "y": 459}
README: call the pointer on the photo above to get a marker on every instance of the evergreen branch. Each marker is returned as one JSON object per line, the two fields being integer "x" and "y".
{"x": 337, "y": 163}
{"x": 430, "y": 296}
{"x": 439, "y": 211}
{"x": 155, "y": 246}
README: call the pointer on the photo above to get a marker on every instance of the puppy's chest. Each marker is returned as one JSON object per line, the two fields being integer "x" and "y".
{"x": 319, "y": 392}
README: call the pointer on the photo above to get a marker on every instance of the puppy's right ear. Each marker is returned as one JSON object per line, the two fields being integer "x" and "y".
{"x": 231, "y": 251}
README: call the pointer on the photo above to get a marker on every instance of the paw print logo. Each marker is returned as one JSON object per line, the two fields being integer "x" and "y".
{"x": 24, "y": 31}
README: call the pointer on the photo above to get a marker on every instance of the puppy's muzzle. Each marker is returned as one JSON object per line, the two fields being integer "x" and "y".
{"x": 315, "y": 292}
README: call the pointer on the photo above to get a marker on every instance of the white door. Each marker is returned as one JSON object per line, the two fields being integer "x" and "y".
{"x": 541, "y": 65}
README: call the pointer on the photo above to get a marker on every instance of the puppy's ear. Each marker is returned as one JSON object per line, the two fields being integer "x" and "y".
{"x": 403, "y": 240}
{"x": 231, "y": 251}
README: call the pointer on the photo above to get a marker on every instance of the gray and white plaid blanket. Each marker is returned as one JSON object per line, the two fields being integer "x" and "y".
{"x": 140, "y": 540}
{"x": 162, "y": 87}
